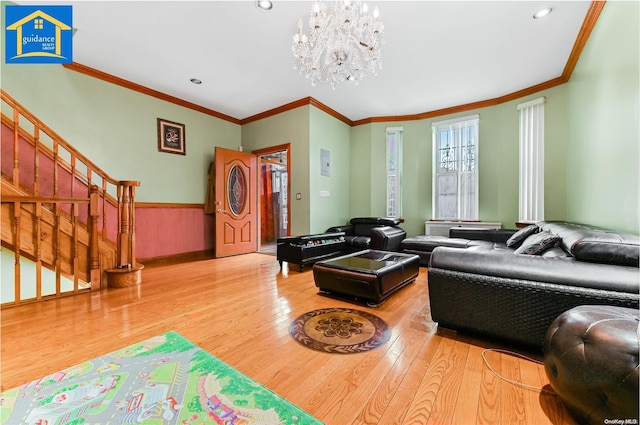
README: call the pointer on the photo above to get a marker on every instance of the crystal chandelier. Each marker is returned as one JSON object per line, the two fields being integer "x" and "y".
{"x": 343, "y": 43}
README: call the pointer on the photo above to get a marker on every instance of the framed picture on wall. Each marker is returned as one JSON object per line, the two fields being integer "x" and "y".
{"x": 171, "y": 137}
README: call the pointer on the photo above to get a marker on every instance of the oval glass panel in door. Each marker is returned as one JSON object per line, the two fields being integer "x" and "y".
{"x": 237, "y": 190}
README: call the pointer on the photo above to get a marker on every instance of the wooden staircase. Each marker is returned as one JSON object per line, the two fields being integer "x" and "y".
{"x": 61, "y": 213}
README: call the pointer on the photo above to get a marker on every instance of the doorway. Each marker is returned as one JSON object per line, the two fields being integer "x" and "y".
{"x": 274, "y": 172}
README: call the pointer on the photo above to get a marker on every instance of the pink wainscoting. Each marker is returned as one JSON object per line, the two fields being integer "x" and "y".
{"x": 6, "y": 156}
{"x": 163, "y": 232}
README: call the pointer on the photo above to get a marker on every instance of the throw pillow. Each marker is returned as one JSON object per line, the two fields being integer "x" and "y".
{"x": 516, "y": 239}
{"x": 538, "y": 243}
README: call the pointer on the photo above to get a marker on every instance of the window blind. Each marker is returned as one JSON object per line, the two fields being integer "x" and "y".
{"x": 531, "y": 203}
{"x": 394, "y": 171}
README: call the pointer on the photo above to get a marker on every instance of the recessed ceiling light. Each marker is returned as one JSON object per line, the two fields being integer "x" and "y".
{"x": 264, "y": 4}
{"x": 542, "y": 13}
{"x": 196, "y": 81}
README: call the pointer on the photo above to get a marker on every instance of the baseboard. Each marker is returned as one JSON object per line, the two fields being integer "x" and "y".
{"x": 183, "y": 257}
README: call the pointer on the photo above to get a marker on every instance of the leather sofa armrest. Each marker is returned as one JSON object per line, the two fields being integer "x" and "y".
{"x": 387, "y": 238}
{"x": 346, "y": 229}
{"x": 491, "y": 235}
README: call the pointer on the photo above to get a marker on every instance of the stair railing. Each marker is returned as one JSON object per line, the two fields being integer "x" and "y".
{"x": 39, "y": 231}
{"x": 53, "y": 173}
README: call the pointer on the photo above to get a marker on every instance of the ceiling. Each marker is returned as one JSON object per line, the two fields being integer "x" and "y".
{"x": 436, "y": 54}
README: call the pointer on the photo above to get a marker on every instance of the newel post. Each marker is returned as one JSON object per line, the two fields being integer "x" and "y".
{"x": 94, "y": 260}
{"x": 128, "y": 272}
{"x": 127, "y": 238}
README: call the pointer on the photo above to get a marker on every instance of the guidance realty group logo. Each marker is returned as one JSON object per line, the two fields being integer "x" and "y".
{"x": 38, "y": 34}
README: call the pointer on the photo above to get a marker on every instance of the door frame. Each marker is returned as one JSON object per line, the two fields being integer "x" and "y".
{"x": 265, "y": 151}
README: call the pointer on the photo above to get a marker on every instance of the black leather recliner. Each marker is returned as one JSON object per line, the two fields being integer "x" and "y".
{"x": 380, "y": 233}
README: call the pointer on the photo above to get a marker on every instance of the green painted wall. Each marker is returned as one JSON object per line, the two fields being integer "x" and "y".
{"x": 309, "y": 130}
{"x": 416, "y": 177}
{"x": 289, "y": 127}
{"x": 497, "y": 156}
{"x": 603, "y": 115}
{"x": 116, "y": 128}
{"x": 332, "y": 135}
{"x": 592, "y": 147}
{"x": 591, "y": 143}
{"x": 360, "y": 185}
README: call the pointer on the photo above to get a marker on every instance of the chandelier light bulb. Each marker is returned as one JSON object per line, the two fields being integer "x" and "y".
{"x": 342, "y": 44}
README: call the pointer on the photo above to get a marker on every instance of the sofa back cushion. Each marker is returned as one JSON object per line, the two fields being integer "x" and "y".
{"x": 588, "y": 243}
{"x": 364, "y": 229}
{"x": 362, "y": 225}
{"x": 379, "y": 221}
{"x": 482, "y": 234}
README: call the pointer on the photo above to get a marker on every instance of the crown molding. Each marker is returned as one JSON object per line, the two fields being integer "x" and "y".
{"x": 296, "y": 104}
{"x": 467, "y": 107}
{"x": 585, "y": 31}
{"x": 92, "y": 72}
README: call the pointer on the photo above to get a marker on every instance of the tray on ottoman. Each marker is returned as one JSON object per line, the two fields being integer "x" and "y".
{"x": 369, "y": 275}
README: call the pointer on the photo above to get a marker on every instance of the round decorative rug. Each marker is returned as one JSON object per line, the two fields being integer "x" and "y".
{"x": 340, "y": 330}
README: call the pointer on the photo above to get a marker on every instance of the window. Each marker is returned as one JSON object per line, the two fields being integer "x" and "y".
{"x": 531, "y": 207}
{"x": 394, "y": 172}
{"x": 455, "y": 168}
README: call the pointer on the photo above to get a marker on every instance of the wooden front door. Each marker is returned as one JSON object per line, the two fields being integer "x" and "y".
{"x": 235, "y": 202}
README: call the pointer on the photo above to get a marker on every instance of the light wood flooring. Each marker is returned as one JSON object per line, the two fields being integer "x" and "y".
{"x": 239, "y": 309}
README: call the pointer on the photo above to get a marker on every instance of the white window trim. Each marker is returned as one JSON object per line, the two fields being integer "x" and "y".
{"x": 394, "y": 171}
{"x": 531, "y": 181}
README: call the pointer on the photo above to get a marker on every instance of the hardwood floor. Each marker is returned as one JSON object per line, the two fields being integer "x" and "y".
{"x": 239, "y": 309}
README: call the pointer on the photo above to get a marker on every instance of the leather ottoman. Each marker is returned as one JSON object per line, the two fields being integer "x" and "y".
{"x": 591, "y": 359}
{"x": 370, "y": 275}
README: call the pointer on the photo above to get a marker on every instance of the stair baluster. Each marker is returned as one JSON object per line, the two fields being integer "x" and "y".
{"x": 44, "y": 199}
